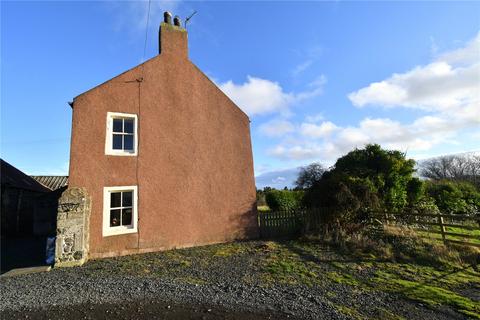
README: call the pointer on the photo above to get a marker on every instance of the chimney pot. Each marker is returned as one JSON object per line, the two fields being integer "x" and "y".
{"x": 177, "y": 21}
{"x": 167, "y": 17}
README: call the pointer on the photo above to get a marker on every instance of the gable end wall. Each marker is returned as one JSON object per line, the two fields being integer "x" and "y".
{"x": 194, "y": 168}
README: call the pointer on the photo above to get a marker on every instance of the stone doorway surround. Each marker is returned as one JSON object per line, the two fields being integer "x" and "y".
{"x": 71, "y": 247}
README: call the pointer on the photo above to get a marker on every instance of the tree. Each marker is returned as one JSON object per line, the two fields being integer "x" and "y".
{"x": 388, "y": 170}
{"x": 365, "y": 180}
{"x": 309, "y": 175}
{"x": 456, "y": 168}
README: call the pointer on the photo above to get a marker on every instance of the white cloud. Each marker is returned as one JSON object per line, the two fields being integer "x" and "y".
{"x": 277, "y": 178}
{"x": 276, "y": 128}
{"x": 300, "y": 68}
{"x": 331, "y": 141}
{"x": 309, "y": 56}
{"x": 297, "y": 152}
{"x": 446, "y": 91}
{"x": 466, "y": 55}
{"x": 261, "y": 96}
{"x": 318, "y": 131}
{"x": 448, "y": 86}
{"x": 314, "y": 118}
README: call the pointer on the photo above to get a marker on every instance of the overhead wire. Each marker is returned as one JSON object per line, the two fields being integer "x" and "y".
{"x": 139, "y": 81}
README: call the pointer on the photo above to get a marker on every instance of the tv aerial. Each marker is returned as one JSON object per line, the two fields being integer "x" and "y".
{"x": 189, "y": 17}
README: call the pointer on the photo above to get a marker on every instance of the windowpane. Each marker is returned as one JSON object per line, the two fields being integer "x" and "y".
{"x": 115, "y": 199}
{"x": 128, "y": 125}
{"x": 128, "y": 142}
{"x": 127, "y": 199}
{"x": 114, "y": 218}
{"x": 117, "y": 142}
{"x": 117, "y": 125}
{"x": 126, "y": 217}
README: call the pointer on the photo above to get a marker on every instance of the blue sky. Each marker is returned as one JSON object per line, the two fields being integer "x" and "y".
{"x": 316, "y": 78}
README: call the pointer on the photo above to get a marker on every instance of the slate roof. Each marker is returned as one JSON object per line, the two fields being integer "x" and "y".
{"x": 14, "y": 178}
{"x": 52, "y": 182}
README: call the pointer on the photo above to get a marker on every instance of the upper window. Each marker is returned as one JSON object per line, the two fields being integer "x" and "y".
{"x": 119, "y": 210}
{"x": 121, "y": 134}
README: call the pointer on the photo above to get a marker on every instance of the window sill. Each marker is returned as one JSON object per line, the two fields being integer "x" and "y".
{"x": 121, "y": 153}
{"x": 116, "y": 232}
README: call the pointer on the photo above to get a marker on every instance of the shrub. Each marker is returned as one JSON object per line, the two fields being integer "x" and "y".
{"x": 365, "y": 180}
{"x": 283, "y": 199}
{"x": 454, "y": 197}
{"x": 348, "y": 199}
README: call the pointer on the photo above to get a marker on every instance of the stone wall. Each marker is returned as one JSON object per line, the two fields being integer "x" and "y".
{"x": 71, "y": 248}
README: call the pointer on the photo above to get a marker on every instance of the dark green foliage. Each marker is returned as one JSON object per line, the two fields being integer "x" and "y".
{"x": 348, "y": 198}
{"x": 389, "y": 171}
{"x": 283, "y": 199}
{"x": 366, "y": 180}
{"x": 454, "y": 197}
{"x": 415, "y": 191}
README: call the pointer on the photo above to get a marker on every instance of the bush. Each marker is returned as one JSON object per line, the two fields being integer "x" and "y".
{"x": 454, "y": 197}
{"x": 283, "y": 199}
{"x": 348, "y": 199}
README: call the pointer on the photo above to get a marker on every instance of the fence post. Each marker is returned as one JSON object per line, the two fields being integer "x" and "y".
{"x": 442, "y": 227}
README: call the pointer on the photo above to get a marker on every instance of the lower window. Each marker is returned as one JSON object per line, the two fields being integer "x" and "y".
{"x": 119, "y": 210}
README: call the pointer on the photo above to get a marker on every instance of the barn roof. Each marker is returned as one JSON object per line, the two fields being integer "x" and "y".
{"x": 52, "y": 182}
{"x": 14, "y": 178}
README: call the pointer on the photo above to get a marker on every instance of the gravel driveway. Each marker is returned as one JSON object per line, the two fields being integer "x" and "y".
{"x": 211, "y": 282}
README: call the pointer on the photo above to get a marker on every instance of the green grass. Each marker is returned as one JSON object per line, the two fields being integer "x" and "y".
{"x": 430, "y": 294}
{"x": 344, "y": 278}
{"x": 428, "y": 272}
{"x": 263, "y": 208}
{"x": 475, "y": 233}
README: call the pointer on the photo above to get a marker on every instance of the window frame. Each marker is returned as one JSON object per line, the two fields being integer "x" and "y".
{"x": 119, "y": 230}
{"x": 109, "y": 134}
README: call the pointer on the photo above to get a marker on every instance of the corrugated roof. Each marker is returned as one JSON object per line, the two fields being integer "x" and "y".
{"x": 52, "y": 182}
{"x": 12, "y": 177}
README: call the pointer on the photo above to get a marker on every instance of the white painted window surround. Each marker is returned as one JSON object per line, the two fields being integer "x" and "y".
{"x": 122, "y": 134}
{"x": 125, "y": 206}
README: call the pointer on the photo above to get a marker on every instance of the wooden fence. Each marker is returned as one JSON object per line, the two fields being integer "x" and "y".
{"x": 280, "y": 223}
{"x": 286, "y": 223}
{"x": 449, "y": 228}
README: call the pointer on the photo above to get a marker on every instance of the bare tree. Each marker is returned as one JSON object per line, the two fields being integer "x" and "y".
{"x": 455, "y": 167}
{"x": 309, "y": 175}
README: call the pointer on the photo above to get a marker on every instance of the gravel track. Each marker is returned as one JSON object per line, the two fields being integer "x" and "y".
{"x": 223, "y": 287}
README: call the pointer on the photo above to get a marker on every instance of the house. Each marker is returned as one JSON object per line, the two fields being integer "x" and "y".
{"x": 160, "y": 158}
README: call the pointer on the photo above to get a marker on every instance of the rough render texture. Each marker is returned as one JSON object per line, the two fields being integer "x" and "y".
{"x": 194, "y": 168}
{"x": 71, "y": 246}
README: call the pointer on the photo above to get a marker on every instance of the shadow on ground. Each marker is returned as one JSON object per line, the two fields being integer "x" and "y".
{"x": 141, "y": 310}
{"x": 22, "y": 252}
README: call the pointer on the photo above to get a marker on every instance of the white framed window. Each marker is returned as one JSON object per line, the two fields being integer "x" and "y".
{"x": 120, "y": 210}
{"x": 121, "y": 137}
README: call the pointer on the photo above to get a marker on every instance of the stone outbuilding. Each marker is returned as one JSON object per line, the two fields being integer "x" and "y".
{"x": 160, "y": 158}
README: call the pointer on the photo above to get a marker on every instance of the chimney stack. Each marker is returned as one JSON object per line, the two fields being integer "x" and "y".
{"x": 172, "y": 38}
